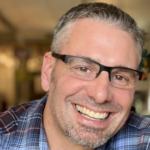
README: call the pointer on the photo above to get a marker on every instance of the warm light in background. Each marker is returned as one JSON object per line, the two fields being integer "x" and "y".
{"x": 6, "y": 60}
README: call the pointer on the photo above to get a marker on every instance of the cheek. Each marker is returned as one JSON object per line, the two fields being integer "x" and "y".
{"x": 65, "y": 83}
{"x": 68, "y": 85}
{"x": 62, "y": 87}
{"x": 124, "y": 98}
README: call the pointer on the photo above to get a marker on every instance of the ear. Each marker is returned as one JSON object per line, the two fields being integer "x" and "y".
{"x": 48, "y": 63}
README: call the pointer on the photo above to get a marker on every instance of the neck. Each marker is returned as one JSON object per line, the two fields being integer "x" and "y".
{"x": 55, "y": 136}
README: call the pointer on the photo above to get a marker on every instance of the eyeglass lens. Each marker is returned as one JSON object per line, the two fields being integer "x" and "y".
{"x": 87, "y": 70}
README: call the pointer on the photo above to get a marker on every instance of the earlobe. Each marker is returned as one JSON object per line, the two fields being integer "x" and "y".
{"x": 48, "y": 63}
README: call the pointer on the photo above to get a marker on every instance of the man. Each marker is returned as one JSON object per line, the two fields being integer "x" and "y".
{"x": 90, "y": 76}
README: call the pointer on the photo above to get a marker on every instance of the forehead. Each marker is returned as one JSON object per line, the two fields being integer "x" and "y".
{"x": 101, "y": 42}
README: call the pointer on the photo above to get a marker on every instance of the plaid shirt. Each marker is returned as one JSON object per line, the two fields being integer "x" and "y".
{"x": 21, "y": 128}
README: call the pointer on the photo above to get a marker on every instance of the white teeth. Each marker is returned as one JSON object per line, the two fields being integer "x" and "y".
{"x": 78, "y": 107}
{"x": 90, "y": 114}
{"x": 97, "y": 115}
{"x": 84, "y": 110}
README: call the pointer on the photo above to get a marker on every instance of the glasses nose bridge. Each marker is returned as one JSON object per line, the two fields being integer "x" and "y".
{"x": 104, "y": 68}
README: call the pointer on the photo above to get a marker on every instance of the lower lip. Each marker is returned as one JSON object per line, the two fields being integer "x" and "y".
{"x": 93, "y": 123}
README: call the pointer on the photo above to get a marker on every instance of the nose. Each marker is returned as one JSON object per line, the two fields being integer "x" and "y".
{"x": 100, "y": 88}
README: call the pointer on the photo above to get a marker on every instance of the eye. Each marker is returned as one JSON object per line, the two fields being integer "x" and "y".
{"x": 119, "y": 78}
{"x": 84, "y": 69}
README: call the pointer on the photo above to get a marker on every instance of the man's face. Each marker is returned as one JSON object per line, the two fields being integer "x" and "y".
{"x": 109, "y": 46}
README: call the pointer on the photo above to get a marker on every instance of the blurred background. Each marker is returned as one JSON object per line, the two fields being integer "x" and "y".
{"x": 26, "y": 29}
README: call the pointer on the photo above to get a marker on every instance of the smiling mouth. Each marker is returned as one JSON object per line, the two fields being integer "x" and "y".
{"x": 91, "y": 114}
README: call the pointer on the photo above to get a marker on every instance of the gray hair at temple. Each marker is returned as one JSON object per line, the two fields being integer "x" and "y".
{"x": 102, "y": 12}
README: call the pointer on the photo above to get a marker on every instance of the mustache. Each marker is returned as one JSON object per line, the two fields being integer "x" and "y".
{"x": 90, "y": 101}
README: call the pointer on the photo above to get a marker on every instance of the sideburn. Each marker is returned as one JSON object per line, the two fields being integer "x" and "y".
{"x": 52, "y": 75}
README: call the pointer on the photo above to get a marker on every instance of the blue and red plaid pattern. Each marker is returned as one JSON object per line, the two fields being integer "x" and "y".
{"x": 21, "y": 128}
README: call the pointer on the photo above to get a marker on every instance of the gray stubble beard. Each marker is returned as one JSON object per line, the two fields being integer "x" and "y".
{"x": 81, "y": 135}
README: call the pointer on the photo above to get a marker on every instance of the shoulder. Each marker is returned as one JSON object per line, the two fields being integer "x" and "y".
{"x": 138, "y": 122}
{"x": 10, "y": 118}
{"x": 134, "y": 135}
{"x": 20, "y": 125}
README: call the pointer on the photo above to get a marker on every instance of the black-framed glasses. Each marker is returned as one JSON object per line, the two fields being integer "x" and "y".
{"x": 87, "y": 69}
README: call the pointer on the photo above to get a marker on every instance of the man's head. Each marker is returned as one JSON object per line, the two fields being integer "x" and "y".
{"x": 102, "y": 41}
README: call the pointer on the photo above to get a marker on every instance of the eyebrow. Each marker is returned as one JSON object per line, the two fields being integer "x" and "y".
{"x": 103, "y": 64}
